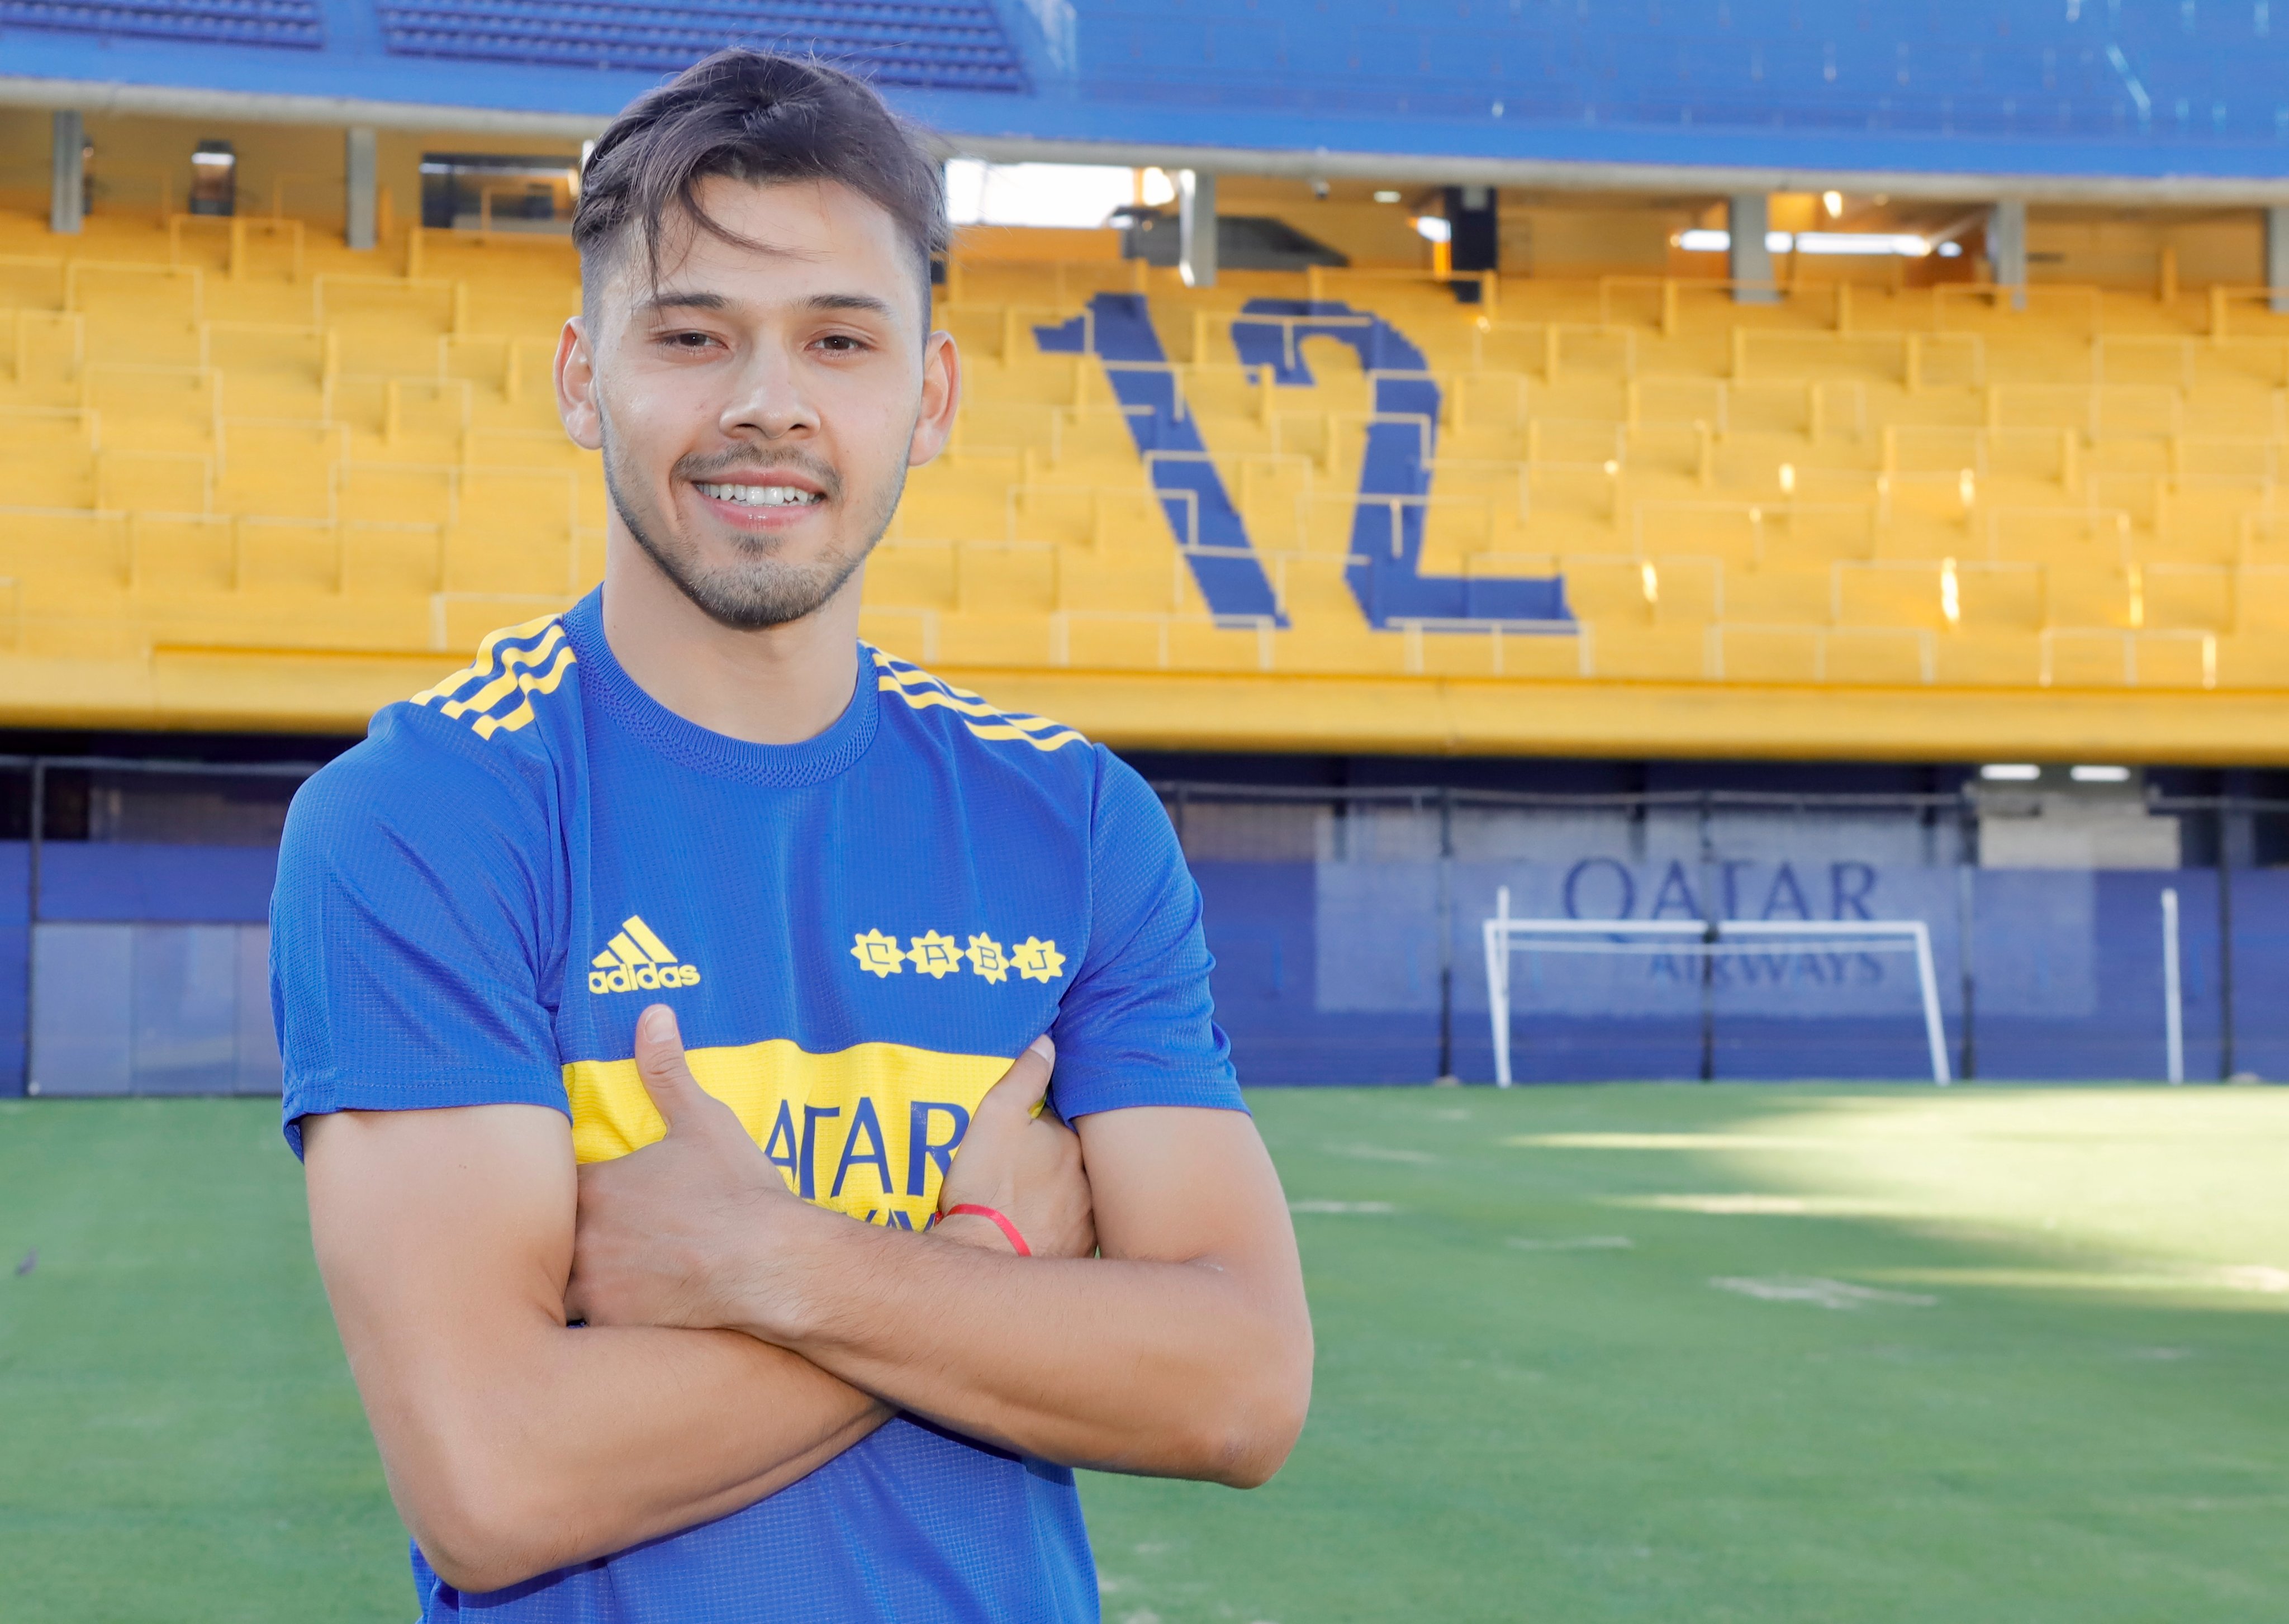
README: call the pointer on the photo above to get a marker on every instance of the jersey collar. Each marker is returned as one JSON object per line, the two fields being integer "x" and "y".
{"x": 700, "y": 749}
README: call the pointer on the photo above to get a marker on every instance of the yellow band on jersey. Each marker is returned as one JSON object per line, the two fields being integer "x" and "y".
{"x": 868, "y": 1130}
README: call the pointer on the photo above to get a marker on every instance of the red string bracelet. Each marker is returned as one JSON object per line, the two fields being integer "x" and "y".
{"x": 999, "y": 1223}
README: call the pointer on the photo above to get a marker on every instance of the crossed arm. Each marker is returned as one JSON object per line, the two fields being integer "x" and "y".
{"x": 738, "y": 1338}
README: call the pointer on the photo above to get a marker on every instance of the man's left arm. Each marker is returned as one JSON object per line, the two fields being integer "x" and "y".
{"x": 1184, "y": 1350}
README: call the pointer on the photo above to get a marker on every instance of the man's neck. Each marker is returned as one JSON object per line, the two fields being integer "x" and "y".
{"x": 777, "y": 686}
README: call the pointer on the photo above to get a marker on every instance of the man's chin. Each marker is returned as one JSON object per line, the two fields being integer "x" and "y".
{"x": 747, "y": 601}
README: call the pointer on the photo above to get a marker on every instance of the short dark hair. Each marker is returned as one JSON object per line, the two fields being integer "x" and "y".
{"x": 751, "y": 115}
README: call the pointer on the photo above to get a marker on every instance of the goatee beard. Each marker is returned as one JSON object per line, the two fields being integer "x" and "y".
{"x": 759, "y": 592}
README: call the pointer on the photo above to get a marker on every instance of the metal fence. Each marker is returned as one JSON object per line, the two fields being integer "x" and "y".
{"x": 1347, "y": 925}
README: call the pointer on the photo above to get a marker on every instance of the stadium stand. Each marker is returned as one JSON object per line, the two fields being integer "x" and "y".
{"x": 1626, "y": 480}
{"x": 1790, "y": 403}
{"x": 2178, "y": 98}
{"x": 951, "y": 47}
{"x": 222, "y": 22}
{"x": 2039, "y": 68}
{"x": 236, "y": 444}
{"x": 236, "y": 453}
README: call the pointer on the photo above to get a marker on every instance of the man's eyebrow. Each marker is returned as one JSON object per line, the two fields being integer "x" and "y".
{"x": 865, "y": 302}
{"x": 682, "y": 299}
{"x": 699, "y": 299}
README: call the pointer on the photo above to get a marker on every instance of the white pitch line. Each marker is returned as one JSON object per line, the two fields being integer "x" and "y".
{"x": 1819, "y": 1293}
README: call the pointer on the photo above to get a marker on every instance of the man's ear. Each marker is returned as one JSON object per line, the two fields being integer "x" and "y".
{"x": 941, "y": 398}
{"x": 576, "y": 386}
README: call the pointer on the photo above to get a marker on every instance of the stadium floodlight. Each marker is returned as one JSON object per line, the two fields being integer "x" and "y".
{"x": 1504, "y": 935}
{"x": 1070, "y": 195}
{"x": 1906, "y": 245}
{"x": 2010, "y": 772}
{"x": 2099, "y": 775}
{"x": 1431, "y": 228}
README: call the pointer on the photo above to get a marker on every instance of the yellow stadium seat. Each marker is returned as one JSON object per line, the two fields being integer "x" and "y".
{"x": 255, "y": 443}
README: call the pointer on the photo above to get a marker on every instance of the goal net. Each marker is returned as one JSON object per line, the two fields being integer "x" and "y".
{"x": 1705, "y": 947}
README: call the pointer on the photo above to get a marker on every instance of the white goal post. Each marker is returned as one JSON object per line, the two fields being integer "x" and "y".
{"x": 1704, "y": 939}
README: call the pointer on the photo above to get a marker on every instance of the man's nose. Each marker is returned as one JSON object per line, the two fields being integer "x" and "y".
{"x": 769, "y": 400}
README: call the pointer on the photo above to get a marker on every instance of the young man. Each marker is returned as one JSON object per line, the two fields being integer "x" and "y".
{"x": 695, "y": 810}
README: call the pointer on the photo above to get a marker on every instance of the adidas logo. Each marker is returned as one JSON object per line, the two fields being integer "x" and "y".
{"x": 636, "y": 960}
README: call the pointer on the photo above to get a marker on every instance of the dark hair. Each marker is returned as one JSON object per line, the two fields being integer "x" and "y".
{"x": 751, "y": 115}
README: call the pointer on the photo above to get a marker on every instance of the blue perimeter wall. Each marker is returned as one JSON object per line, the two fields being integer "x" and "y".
{"x": 91, "y": 882}
{"x": 1329, "y": 972}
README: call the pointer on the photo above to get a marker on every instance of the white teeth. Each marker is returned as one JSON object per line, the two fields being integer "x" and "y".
{"x": 761, "y": 496}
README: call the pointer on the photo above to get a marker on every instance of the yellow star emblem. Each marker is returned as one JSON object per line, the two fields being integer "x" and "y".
{"x": 879, "y": 953}
{"x": 1038, "y": 960}
{"x": 935, "y": 956}
{"x": 988, "y": 958}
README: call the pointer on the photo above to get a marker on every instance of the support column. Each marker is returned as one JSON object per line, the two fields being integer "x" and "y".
{"x": 1471, "y": 213}
{"x": 68, "y": 188}
{"x": 1749, "y": 260}
{"x": 1196, "y": 228}
{"x": 359, "y": 164}
{"x": 2276, "y": 259}
{"x": 2006, "y": 248}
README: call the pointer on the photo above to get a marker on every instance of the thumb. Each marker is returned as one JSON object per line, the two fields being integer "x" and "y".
{"x": 1026, "y": 1084}
{"x": 667, "y": 1074}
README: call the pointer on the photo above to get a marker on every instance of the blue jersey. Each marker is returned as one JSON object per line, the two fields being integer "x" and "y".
{"x": 858, "y": 932}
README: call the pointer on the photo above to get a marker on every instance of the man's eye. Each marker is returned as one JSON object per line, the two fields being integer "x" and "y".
{"x": 841, "y": 343}
{"x": 689, "y": 340}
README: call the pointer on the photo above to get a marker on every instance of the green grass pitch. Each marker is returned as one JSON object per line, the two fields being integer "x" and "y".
{"x": 1654, "y": 1353}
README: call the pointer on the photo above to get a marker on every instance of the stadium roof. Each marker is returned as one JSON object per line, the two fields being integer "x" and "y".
{"x": 2150, "y": 100}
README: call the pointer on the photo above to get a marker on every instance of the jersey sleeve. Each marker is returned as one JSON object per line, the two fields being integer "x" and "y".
{"x": 408, "y": 933}
{"x": 1138, "y": 1026}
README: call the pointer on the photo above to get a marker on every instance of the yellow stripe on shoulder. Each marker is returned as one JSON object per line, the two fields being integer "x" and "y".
{"x": 922, "y": 691}
{"x": 1017, "y": 729}
{"x": 905, "y": 668}
{"x": 483, "y": 665}
{"x": 515, "y": 662}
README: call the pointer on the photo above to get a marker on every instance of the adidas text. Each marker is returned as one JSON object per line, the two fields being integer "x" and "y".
{"x": 644, "y": 977}
{"x": 636, "y": 960}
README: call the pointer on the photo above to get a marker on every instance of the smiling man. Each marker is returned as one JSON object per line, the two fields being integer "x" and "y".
{"x": 654, "y": 1333}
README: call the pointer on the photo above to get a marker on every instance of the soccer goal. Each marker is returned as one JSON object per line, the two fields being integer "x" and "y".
{"x": 1506, "y": 934}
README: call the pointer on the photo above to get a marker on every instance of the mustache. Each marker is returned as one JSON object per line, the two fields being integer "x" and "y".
{"x": 696, "y": 469}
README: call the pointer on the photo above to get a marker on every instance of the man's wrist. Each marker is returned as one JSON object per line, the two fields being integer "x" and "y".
{"x": 767, "y": 1286}
{"x": 778, "y": 1287}
{"x": 971, "y": 1230}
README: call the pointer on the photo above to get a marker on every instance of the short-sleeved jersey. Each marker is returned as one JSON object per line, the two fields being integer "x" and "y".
{"x": 858, "y": 932}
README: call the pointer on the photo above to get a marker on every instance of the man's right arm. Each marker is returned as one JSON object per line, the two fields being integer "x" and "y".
{"x": 513, "y": 1443}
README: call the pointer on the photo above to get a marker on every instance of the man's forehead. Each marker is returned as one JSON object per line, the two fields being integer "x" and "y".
{"x": 800, "y": 240}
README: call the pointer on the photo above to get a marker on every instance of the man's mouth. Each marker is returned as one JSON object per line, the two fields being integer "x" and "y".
{"x": 761, "y": 496}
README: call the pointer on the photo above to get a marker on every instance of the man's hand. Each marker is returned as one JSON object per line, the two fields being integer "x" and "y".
{"x": 657, "y": 1226}
{"x": 1024, "y": 1163}
{"x": 668, "y": 1235}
